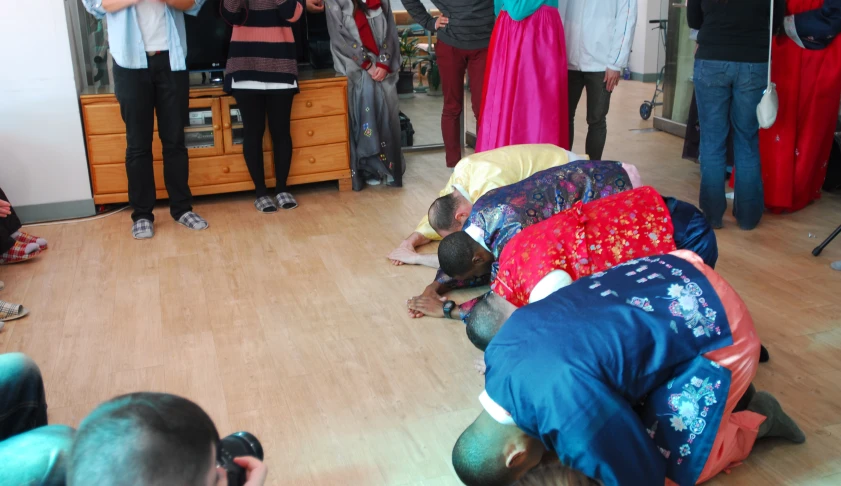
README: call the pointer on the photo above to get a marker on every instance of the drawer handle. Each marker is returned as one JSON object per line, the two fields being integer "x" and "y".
{"x": 226, "y": 170}
{"x": 309, "y": 104}
{"x": 227, "y": 125}
{"x": 310, "y": 133}
{"x": 312, "y": 160}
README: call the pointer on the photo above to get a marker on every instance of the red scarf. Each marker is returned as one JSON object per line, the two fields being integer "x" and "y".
{"x": 365, "y": 33}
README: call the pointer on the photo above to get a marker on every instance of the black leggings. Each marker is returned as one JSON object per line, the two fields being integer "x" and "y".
{"x": 254, "y": 105}
{"x": 8, "y": 226}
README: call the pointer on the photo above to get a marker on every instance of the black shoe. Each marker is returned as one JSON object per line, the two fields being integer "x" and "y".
{"x": 763, "y": 354}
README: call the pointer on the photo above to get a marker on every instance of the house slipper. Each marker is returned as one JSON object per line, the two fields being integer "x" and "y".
{"x": 10, "y": 312}
{"x": 265, "y": 205}
{"x": 286, "y": 201}
{"x": 27, "y": 238}
{"x": 20, "y": 252}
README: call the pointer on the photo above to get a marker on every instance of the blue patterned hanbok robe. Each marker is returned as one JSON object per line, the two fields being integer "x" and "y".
{"x": 570, "y": 369}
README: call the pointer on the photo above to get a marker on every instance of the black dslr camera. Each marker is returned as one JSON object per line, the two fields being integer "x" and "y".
{"x": 237, "y": 444}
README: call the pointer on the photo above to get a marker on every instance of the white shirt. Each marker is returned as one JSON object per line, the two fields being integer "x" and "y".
{"x": 260, "y": 85}
{"x": 151, "y": 18}
{"x": 599, "y": 33}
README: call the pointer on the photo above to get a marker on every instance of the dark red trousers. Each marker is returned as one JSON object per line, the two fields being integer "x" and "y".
{"x": 452, "y": 64}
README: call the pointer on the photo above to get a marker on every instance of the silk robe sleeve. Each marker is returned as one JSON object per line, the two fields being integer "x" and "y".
{"x": 343, "y": 39}
{"x": 815, "y": 29}
{"x": 390, "y": 50}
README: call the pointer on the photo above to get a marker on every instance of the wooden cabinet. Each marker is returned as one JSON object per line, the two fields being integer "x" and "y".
{"x": 213, "y": 137}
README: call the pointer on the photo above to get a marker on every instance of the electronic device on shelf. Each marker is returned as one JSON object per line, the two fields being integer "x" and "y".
{"x": 209, "y": 36}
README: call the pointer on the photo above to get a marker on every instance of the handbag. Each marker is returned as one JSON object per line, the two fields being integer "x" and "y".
{"x": 766, "y": 110}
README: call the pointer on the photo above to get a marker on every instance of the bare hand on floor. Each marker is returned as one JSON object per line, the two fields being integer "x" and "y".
{"x": 424, "y": 305}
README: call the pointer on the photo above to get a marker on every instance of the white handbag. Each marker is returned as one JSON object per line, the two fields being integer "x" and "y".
{"x": 766, "y": 110}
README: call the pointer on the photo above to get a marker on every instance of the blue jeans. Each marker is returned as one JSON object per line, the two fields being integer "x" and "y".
{"x": 727, "y": 95}
{"x": 31, "y": 453}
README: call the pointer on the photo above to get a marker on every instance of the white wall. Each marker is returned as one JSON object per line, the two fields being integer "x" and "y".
{"x": 42, "y": 153}
{"x": 647, "y": 52}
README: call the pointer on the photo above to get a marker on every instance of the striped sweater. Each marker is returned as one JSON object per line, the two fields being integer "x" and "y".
{"x": 262, "y": 44}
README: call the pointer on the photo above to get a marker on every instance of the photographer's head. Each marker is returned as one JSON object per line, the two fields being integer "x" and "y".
{"x": 146, "y": 439}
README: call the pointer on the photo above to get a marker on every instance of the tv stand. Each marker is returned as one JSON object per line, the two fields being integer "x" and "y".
{"x": 212, "y": 78}
{"x": 320, "y": 150}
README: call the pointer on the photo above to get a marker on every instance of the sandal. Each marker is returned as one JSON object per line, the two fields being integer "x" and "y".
{"x": 17, "y": 253}
{"x": 27, "y": 238}
{"x": 10, "y": 312}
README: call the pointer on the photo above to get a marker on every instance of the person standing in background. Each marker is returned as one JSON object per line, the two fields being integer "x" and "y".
{"x": 527, "y": 66}
{"x": 262, "y": 74}
{"x": 148, "y": 42}
{"x": 807, "y": 71}
{"x": 598, "y": 42}
{"x": 366, "y": 49}
{"x": 464, "y": 33}
{"x": 731, "y": 71}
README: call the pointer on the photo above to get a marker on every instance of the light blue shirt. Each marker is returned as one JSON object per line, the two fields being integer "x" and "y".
{"x": 126, "y": 42}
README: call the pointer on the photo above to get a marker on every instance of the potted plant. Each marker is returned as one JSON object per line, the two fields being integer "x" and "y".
{"x": 429, "y": 68}
{"x": 406, "y": 80}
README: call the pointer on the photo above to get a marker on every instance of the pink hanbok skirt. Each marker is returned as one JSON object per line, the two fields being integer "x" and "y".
{"x": 525, "y": 93}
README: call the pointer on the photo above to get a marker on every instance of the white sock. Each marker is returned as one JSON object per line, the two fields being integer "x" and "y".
{"x": 31, "y": 248}
{"x": 42, "y": 243}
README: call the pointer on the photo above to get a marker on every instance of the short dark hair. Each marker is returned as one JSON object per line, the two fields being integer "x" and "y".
{"x": 455, "y": 253}
{"x": 484, "y": 322}
{"x": 474, "y": 463}
{"x": 442, "y": 212}
{"x": 143, "y": 439}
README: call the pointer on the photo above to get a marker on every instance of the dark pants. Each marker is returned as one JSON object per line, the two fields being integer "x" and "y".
{"x": 254, "y": 105}
{"x": 452, "y": 64}
{"x": 141, "y": 93}
{"x": 30, "y": 452}
{"x": 598, "y": 103}
{"x": 8, "y": 226}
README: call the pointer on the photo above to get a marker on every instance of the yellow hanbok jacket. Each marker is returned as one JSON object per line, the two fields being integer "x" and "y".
{"x": 479, "y": 173}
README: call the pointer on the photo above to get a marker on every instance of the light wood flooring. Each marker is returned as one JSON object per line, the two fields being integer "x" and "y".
{"x": 292, "y": 325}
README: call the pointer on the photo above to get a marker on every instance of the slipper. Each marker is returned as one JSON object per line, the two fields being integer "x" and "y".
{"x": 10, "y": 312}
{"x": 286, "y": 201}
{"x": 17, "y": 253}
{"x": 27, "y": 238}
{"x": 265, "y": 205}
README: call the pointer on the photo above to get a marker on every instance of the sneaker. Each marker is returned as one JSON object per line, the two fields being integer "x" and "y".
{"x": 193, "y": 221}
{"x": 142, "y": 229}
{"x": 265, "y": 204}
{"x": 286, "y": 201}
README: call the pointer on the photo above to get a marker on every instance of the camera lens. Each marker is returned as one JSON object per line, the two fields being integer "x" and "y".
{"x": 237, "y": 444}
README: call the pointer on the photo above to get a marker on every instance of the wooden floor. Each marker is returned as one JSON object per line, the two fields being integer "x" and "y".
{"x": 292, "y": 325}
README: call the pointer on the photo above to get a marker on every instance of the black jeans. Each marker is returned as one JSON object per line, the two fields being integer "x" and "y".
{"x": 8, "y": 226}
{"x": 141, "y": 93}
{"x": 254, "y": 105}
{"x": 598, "y": 103}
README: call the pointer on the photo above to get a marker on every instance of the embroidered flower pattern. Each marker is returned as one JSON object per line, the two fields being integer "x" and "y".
{"x": 642, "y": 303}
{"x": 686, "y": 304}
{"x": 684, "y": 450}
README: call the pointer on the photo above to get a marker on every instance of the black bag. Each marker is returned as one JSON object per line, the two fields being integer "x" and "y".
{"x": 407, "y": 132}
